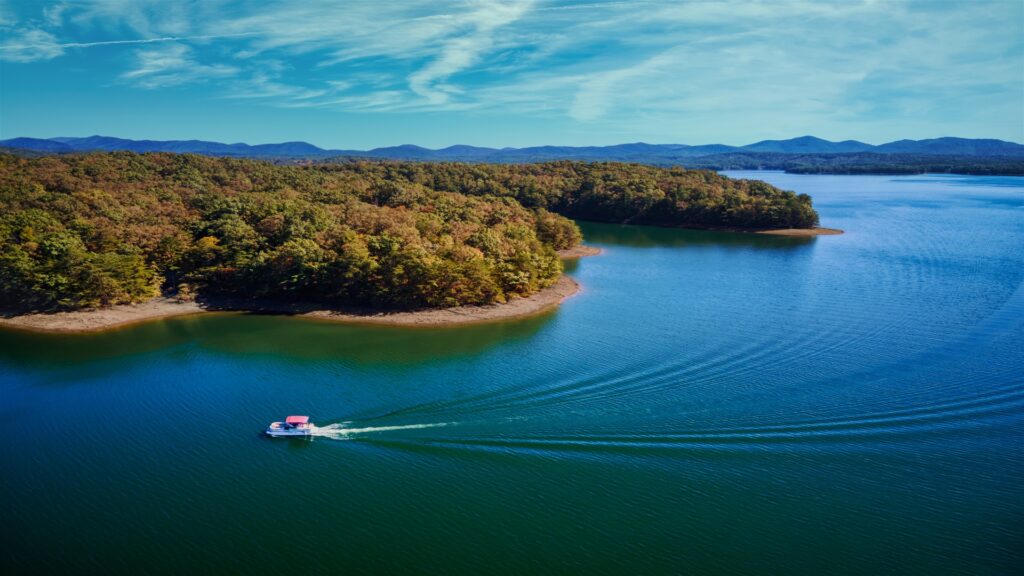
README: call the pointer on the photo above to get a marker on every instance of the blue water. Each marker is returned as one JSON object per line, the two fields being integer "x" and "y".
{"x": 710, "y": 403}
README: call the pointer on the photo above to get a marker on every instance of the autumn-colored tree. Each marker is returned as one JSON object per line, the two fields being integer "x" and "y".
{"x": 105, "y": 228}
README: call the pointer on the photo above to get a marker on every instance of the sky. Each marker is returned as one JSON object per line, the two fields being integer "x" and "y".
{"x": 365, "y": 73}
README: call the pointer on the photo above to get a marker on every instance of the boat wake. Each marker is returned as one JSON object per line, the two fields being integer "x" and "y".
{"x": 343, "y": 431}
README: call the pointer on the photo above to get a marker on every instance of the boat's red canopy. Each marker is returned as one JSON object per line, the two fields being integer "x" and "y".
{"x": 297, "y": 419}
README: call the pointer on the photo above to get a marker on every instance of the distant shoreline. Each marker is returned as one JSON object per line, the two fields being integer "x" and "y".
{"x": 115, "y": 317}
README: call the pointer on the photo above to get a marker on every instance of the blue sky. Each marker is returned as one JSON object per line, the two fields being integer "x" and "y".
{"x": 366, "y": 73}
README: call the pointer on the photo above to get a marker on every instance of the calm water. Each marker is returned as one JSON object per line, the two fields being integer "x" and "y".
{"x": 711, "y": 403}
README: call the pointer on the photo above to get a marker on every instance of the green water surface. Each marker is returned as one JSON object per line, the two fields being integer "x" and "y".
{"x": 711, "y": 403}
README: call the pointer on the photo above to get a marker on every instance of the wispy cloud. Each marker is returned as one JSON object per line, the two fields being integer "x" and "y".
{"x": 30, "y": 45}
{"x": 143, "y": 18}
{"x": 265, "y": 84}
{"x": 462, "y": 51}
{"x": 54, "y": 15}
{"x": 172, "y": 65}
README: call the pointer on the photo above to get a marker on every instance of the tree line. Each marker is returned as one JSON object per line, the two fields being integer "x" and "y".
{"x": 611, "y": 191}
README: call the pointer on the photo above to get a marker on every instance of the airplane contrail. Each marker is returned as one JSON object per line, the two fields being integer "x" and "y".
{"x": 113, "y": 42}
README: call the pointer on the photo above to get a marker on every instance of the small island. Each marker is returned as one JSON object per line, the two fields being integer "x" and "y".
{"x": 94, "y": 241}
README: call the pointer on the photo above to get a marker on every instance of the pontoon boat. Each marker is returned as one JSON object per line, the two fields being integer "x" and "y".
{"x": 292, "y": 426}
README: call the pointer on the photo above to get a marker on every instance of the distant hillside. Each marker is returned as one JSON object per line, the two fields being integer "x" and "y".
{"x": 952, "y": 146}
{"x": 36, "y": 145}
{"x": 111, "y": 144}
{"x": 657, "y": 154}
{"x": 804, "y": 154}
{"x": 807, "y": 145}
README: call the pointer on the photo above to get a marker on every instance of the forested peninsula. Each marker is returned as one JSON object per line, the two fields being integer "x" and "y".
{"x": 102, "y": 229}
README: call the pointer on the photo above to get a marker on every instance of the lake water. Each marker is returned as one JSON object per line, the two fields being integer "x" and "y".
{"x": 711, "y": 403}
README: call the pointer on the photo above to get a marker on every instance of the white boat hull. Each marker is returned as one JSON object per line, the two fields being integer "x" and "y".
{"x": 278, "y": 430}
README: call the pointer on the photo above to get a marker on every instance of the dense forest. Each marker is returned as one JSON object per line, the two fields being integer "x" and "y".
{"x": 610, "y": 191}
{"x": 79, "y": 231}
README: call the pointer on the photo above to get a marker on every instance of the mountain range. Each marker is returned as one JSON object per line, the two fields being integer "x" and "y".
{"x": 636, "y": 152}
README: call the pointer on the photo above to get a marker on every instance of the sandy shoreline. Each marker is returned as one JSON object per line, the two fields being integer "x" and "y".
{"x": 120, "y": 316}
{"x": 802, "y": 232}
{"x": 123, "y": 315}
{"x": 579, "y": 252}
{"x": 793, "y": 232}
{"x": 538, "y": 303}
{"x": 101, "y": 319}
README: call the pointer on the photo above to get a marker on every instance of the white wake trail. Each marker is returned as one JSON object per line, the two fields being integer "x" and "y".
{"x": 343, "y": 432}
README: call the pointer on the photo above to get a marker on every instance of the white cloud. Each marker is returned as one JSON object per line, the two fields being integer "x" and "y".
{"x": 265, "y": 84}
{"x": 54, "y": 15}
{"x": 146, "y": 18}
{"x": 463, "y": 51}
{"x": 344, "y": 32}
{"x": 599, "y": 91}
{"x": 30, "y": 45}
{"x": 7, "y": 18}
{"x": 172, "y": 65}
